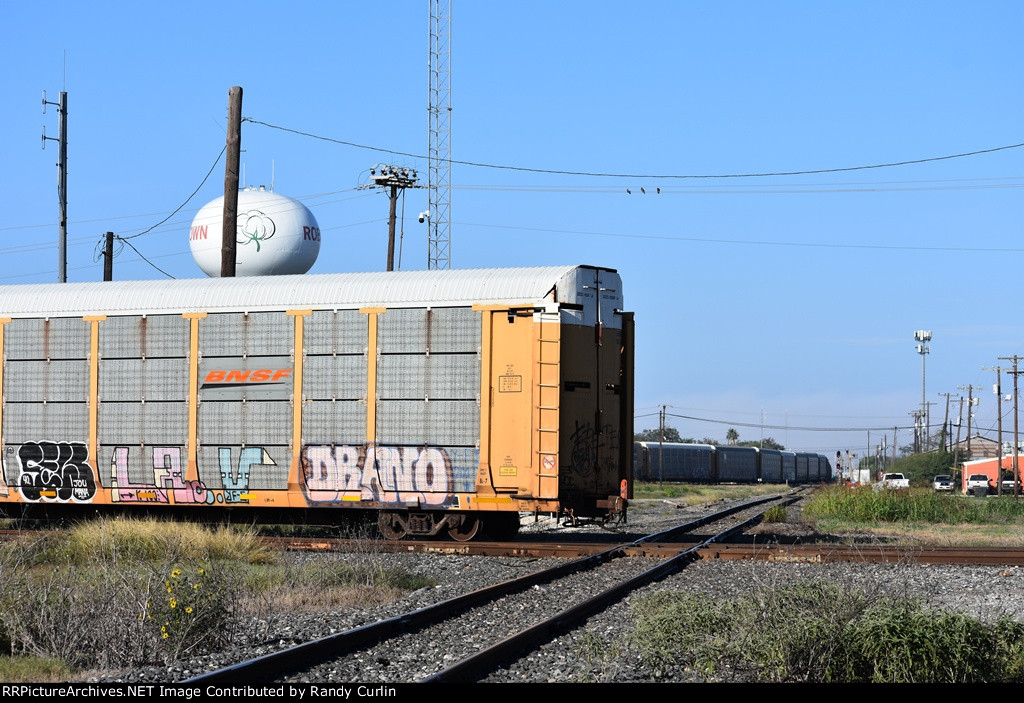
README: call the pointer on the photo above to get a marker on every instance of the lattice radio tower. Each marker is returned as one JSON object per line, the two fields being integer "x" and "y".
{"x": 439, "y": 159}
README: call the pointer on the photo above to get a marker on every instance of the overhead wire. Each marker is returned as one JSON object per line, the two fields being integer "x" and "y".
{"x": 795, "y": 428}
{"x": 747, "y": 242}
{"x": 652, "y": 176}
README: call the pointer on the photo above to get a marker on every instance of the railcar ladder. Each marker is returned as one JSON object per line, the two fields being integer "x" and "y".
{"x": 546, "y": 420}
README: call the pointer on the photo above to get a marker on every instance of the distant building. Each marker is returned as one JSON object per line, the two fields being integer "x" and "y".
{"x": 981, "y": 448}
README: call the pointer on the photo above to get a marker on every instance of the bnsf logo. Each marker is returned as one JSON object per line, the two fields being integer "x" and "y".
{"x": 247, "y": 376}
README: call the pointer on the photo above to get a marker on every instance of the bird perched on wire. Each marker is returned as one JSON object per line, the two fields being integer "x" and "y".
{"x": 628, "y": 191}
{"x": 643, "y": 191}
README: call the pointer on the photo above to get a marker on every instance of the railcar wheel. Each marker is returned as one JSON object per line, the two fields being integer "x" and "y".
{"x": 464, "y": 529}
{"x": 391, "y": 526}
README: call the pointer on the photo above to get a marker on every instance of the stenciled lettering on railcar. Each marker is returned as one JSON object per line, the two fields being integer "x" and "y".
{"x": 55, "y": 472}
{"x": 252, "y": 378}
{"x": 379, "y": 474}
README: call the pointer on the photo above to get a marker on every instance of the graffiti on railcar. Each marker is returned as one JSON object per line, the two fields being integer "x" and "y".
{"x": 168, "y": 480}
{"x": 336, "y": 473}
{"x": 594, "y": 453}
{"x": 236, "y": 484}
{"x": 55, "y": 471}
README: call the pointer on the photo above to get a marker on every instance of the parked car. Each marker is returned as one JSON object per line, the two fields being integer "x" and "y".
{"x": 977, "y": 484}
{"x": 943, "y": 482}
{"x": 1006, "y": 485}
{"x": 893, "y": 481}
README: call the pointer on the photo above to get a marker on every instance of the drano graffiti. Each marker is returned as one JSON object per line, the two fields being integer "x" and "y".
{"x": 335, "y": 473}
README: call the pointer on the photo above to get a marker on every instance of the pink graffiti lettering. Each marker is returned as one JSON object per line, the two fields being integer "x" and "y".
{"x": 381, "y": 474}
{"x": 167, "y": 477}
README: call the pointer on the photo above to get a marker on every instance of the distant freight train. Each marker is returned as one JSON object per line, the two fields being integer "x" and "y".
{"x": 437, "y": 401}
{"x": 706, "y": 463}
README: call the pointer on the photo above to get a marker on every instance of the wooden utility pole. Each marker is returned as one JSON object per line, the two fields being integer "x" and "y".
{"x": 661, "y": 443}
{"x": 1016, "y": 468}
{"x": 229, "y": 225}
{"x": 971, "y": 402}
{"x": 945, "y": 425}
{"x": 108, "y": 258}
{"x": 394, "y": 178}
{"x": 999, "y": 412}
{"x": 959, "y": 420}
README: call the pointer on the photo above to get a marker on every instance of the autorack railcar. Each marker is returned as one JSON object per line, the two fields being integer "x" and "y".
{"x": 443, "y": 400}
{"x": 706, "y": 463}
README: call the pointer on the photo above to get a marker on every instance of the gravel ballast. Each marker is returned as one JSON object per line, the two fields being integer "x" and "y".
{"x": 984, "y": 592}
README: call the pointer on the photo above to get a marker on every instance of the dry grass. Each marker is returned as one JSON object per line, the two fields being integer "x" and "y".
{"x": 941, "y": 535}
{"x": 149, "y": 539}
{"x": 121, "y": 593}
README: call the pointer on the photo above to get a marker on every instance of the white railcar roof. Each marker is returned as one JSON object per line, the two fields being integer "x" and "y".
{"x": 458, "y": 287}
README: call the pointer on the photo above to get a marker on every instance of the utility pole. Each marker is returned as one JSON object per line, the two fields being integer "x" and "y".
{"x": 917, "y": 415}
{"x": 945, "y": 425}
{"x": 1016, "y": 469}
{"x": 62, "y": 181}
{"x": 229, "y": 224}
{"x": 998, "y": 390}
{"x": 661, "y": 444}
{"x": 959, "y": 420}
{"x": 971, "y": 403}
{"x": 393, "y": 179}
{"x": 108, "y": 257}
{"x": 894, "y": 445}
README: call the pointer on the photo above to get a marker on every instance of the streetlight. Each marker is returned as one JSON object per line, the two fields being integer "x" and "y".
{"x": 923, "y": 336}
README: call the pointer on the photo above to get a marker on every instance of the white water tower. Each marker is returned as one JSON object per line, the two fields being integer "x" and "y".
{"x": 275, "y": 235}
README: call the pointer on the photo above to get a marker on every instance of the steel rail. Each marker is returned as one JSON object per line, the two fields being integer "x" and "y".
{"x": 470, "y": 668}
{"x": 309, "y": 654}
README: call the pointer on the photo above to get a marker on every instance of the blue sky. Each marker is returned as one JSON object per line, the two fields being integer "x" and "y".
{"x": 788, "y": 298}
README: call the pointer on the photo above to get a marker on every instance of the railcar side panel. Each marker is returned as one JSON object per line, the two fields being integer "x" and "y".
{"x": 771, "y": 465}
{"x": 737, "y": 464}
{"x": 465, "y": 407}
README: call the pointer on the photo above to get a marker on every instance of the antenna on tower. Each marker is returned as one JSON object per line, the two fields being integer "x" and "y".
{"x": 439, "y": 160}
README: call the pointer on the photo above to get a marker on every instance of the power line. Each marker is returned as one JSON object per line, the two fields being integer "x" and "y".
{"x": 790, "y": 427}
{"x": 592, "y": 174}
{"x": 175, "y": 212}
{"x": 708, "y": 240}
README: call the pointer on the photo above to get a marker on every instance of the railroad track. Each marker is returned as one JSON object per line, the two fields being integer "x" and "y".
{"x": 571, "y": 591}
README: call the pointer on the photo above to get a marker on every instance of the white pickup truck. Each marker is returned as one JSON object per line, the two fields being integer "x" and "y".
{"x": 977, "y": 485}
{"x": 893, "y": 481}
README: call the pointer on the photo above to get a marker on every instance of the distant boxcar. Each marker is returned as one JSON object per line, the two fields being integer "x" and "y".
{"x": 668, "y": 461}
{"x": 707, "y": 463}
